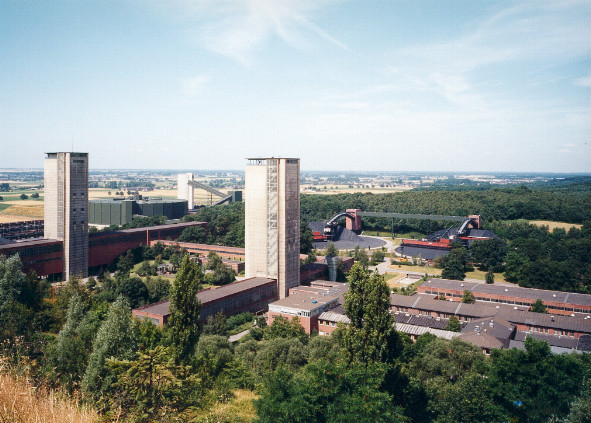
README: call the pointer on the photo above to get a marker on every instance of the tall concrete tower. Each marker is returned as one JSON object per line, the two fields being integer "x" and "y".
{"x": 185, "y": 189}
{"x": 66, "y": 208}
{"x": 272, "y": 227}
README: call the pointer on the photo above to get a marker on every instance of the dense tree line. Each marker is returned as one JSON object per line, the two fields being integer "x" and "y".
{"x": 494, "y": 205}
{"x": 226, "y": 222}
{"x": 538, "y": 258}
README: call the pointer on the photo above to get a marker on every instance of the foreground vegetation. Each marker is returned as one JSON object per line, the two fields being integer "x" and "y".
{"x": 83, "y": 341}
{"x": 22, "y": 402}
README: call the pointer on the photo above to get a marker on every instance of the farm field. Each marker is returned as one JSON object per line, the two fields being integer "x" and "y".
{"x": 554, "y": 225}
{"x": 344, "y": 189}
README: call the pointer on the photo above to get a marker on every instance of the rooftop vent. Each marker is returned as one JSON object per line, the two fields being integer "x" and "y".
{"x": 506, "y": 290}
{"x": 554, "y": 295}
{"x": 515, "y": 308}
{"x": 461, "y": 284}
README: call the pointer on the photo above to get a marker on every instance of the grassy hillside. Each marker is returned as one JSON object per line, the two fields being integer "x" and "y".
{"x": 21, "y": 402}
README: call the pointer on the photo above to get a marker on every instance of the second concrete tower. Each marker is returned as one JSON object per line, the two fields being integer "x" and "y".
{"x": 272, "y": 227}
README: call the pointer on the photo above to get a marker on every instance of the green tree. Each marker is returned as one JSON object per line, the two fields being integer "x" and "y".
{"x": 35, "y": 195}
{"x": 125, "y": 262}
{"x": 454, "y": 264}
{"x": 152, "y": 387}
{"x": 184, "y": 309}
{"x": 468, "y": 297}
{"x": 377, "y": 257}
{"x": 327, "y": 392}
{"x": 68, "y": 355}
{"x": 290, "y": 353}
{"x": 453, "y": 324}
{"x": 489, "y": 253}
{"x": 283, "y": 328}
{"x": 544, "y": 383}
{"x": 306, "y": 239}
{"x": 214, "y": 261}
{"x": 331, "y": 250}
{"x": 196, "y": 234}
{"x": 311, "y": 257}
{"x": 146, "y": 269}
{"x": 134, "y": 290}
{"x": 15, "y": 317}
{"x": 158, "y": 289}
{"x": 116, "y": 338}
{"x": 370, "y": 337}
{"x": 216, "y": 324}
{"x": 490, "y": 276}
{"x": 213, "y": 354}
{"x": 539, "y": 307}
{"x": 467, "y": 401}
{"x": 24, "y": 196}
{"x": 360, "y": 256}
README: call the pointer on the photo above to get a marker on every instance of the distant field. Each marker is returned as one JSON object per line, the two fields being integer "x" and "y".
{"x": 344, "y": 189}
{"x": 554, "y": 225}
{"x": 476, "y": 274}
{"x": 17, "y": 213}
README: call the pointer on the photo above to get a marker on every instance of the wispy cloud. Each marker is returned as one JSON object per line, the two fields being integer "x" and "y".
{"x": 584, "y": 82}
{"x": 194, "y": 85}
{"x": 238, "y": 28}
{"x": 538, "y": 34}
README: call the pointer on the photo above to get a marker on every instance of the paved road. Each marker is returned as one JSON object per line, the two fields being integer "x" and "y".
{"x": 236, "y": 337}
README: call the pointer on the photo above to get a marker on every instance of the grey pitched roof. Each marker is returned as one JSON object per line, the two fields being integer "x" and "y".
{"x": 420, "y": 330}
{"x": 511, "y": 291}
{"x": 494, "y": 325}
{"x": 553, "y": 340}
{"x": 427, "y": 321}
{"x": 482, "y": 340}
{"x": 511, "y": 313}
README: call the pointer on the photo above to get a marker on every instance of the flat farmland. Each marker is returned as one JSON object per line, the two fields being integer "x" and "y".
{"x": 553, "y": 225}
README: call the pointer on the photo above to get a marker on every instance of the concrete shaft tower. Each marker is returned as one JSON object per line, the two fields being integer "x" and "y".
{"x": 272, "y": 227}
{"x": 66, "y": 208}
{"x": 185, "y": 189}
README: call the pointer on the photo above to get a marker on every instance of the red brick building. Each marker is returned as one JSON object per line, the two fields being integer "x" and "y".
{"x": 251, "y": 295}
{"x": 556, "y": 302}
{"x": 308, "y": 302}
{"x": 45, "y": 256}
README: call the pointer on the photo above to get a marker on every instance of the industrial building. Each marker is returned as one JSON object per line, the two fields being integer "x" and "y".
{"x": 46, "y": 256}
{"x": 251, "y": 295}
{"x": 186, "y": 191}
{"x": 119, "y": 211}
{"x": 272, "y": 221}
{"x": 556, "y": 302}
{"x": 307, "y": 303}
{"x": 66, "y": 208}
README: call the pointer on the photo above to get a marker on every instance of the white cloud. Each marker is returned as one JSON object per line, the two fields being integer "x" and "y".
{"x": 541, "y": 35}
{"x": 237, "y": 28}
{"x": 584, "y": 82}
{"x": 194, "y": 85}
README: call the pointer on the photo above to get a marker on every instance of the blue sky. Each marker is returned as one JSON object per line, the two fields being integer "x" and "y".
{"x": 344, "y": 85}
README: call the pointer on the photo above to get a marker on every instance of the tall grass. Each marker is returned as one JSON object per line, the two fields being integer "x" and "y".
{"x": 21, "y": 402}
